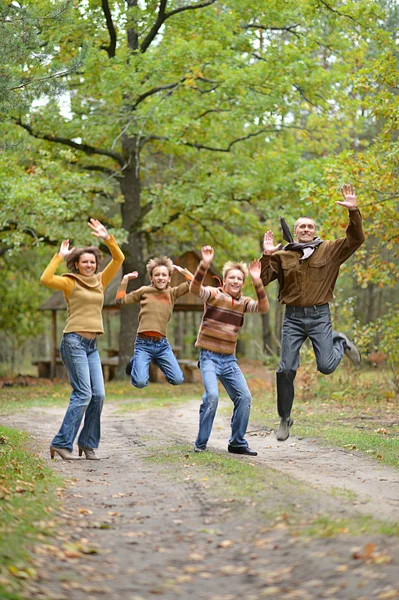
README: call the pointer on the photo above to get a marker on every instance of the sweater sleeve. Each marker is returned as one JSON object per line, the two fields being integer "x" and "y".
{"x": 260, "y": 305}
{"x": 343, "y": 248}
{"x": 117, "y": 259}
{"x": 181, "y": 289}
{"x": 56, "y": 282}
{"x": 196, "y": 287}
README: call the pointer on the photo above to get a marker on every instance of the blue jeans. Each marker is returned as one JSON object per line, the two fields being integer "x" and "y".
{"x": 224, "y": 367}
{"x": 300, "y": 323}
{"x": 161, "y": 353}
{"x": 82, "y": 362}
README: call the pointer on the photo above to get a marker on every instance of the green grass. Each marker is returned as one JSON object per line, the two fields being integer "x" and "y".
{"x": 349, "y": 409}
{"x": 27, "y": 501}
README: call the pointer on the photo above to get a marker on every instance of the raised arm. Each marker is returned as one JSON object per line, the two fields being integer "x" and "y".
{"x": 269, "y": 264}
{"x": 55, "y": 282}
{"x": 121, "y": 291}
{"x": 343, "y": 248}
{"x": 260, "y": 305}
{"x": 99, "y": 231}
{"x": 196, "y": 287}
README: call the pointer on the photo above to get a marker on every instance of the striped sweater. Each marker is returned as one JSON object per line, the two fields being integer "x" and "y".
{"x": 223, "y": 315}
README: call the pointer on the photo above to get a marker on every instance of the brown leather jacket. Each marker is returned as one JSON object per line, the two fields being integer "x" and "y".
{"x": 311, "y": 282}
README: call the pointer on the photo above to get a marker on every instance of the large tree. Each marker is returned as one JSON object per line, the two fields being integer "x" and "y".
{"x": 197, "y": 120}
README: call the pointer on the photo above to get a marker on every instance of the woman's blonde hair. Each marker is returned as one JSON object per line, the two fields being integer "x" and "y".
{"x": 159, "y": 261}
{"x": 230, "y": 265}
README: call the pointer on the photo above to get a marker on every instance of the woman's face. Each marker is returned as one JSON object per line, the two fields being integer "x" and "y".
{"x": 87, "y": 264}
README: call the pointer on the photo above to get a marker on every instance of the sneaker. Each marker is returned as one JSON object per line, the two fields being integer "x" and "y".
{"x": 198, "y": 449}
{"x": 351, "y": 350}
{"x": 128, "y": 368}
{"x": 283, "y": 431}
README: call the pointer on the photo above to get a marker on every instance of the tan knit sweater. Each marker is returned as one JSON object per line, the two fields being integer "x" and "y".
{"x": 84, "y": 296}
{"x": 156, "y": 306}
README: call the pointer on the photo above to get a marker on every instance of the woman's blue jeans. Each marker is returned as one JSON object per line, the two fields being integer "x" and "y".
{"x": 224, "y": 367}
{"x": 161, "y": 353}
{"x": 82, "y": 362}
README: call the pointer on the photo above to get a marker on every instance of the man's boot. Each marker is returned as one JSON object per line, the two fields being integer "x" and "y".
{"x": 283, "y": 431}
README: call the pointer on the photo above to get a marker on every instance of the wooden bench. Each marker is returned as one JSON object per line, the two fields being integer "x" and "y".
{"x": 109, "y": 364}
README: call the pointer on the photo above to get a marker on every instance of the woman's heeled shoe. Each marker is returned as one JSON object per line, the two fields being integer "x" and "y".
{"x": 89, "y": 453}
{"x": 63, "y": 452}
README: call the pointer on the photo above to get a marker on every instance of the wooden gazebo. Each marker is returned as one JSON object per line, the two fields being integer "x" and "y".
{"x": 56, "y": 302}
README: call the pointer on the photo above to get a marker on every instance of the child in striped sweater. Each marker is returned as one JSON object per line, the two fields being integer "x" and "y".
{"x": 223, "y": 318}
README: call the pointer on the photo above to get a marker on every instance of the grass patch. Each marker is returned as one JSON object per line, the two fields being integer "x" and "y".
{"x": 27, "y": 497}
{"x": 349, "y": 409}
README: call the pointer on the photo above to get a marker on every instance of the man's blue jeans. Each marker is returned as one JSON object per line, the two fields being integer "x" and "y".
{"x": 82, "y": 362}
{"x": 161, "y": 353}
{"x": 300, "y": 323}
{"x": 224, "y": 367}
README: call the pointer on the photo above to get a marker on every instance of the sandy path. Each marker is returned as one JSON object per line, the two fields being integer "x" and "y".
{"x": 161, "y": 535}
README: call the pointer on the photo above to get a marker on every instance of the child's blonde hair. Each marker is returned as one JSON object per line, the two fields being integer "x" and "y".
{"x": 159, "y": 261}
{"x": 230, "y": 265}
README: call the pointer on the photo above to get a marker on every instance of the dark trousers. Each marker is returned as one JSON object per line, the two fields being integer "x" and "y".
{"x": 300, "y": 323}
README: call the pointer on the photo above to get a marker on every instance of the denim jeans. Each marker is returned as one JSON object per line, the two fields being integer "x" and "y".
{"x": 300, "y": 323}
{"x": 161, "y": 353}
{"x": 82, "y": 362}
{"x": 224, "y": 367}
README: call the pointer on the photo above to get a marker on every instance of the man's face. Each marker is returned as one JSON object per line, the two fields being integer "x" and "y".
{"x": 160, "y": 277}
{"x": 305, "y": 230}
{"x": 233, "y": 282}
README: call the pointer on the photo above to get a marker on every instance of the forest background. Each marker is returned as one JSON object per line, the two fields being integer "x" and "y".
{"x": 179, "y": 123}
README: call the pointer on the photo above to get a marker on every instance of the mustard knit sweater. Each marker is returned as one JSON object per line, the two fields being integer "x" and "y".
{"x": 84, "y": 296}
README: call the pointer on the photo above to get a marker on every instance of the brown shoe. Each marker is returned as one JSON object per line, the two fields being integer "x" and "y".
{"x": 63, "y": 452}
{"x": 89, "y": 452}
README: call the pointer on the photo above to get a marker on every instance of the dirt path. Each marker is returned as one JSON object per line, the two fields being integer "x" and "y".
{"x": 131, "y": 530}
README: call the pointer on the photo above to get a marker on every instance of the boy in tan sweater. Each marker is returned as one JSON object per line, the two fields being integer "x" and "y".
{"x": 156, "y": 306}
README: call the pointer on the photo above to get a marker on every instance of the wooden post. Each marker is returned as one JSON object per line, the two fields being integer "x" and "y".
{"x": 53, "y": 367}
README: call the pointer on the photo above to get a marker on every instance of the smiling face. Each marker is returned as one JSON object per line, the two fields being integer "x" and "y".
{"x": 160, "y": 277}
{"x": 233, "y": 282}
{"x": 87, "y": 264}
{"x": 305, "y": 230}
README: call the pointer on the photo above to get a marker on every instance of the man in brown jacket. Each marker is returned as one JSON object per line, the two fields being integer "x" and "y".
{"x": 307, "y": 271}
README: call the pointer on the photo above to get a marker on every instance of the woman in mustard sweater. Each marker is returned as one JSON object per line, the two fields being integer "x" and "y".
{"x": 83, "y": 289}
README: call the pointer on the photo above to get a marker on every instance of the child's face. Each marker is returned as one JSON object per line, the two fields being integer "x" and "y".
{"x": 160, "y": 277}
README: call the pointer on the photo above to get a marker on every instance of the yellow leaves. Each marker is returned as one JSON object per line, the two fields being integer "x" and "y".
{"x": 23, "y": 572}
{"x": 85, "y": 511}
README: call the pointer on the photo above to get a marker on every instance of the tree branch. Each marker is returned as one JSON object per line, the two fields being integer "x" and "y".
{"x": 288, "y": 28}
{"x": 163, "y": 16}
{"x": 155, "y": 90}
{"x": 86, "y": 148}
{"x": 110, "y": 49}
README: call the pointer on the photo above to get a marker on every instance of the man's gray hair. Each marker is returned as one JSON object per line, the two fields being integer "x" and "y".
{"x": 301, "y": 219}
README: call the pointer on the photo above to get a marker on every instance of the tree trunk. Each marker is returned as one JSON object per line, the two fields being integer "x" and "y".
{"x": 267, "y": 334}
{"x": 133, "y": 249}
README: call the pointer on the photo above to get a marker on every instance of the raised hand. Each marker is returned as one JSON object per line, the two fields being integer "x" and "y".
{"x": 98, "y": 229}
{"x": 185, "y": 272}
{"x": 207, "y": 253}
{"x": 268, "y": 243}
{"x": 65, "y": 250}
{"x": 255, "y": 269}
{"x": 349, "y": 194}
{"x": 129, "y": 276}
